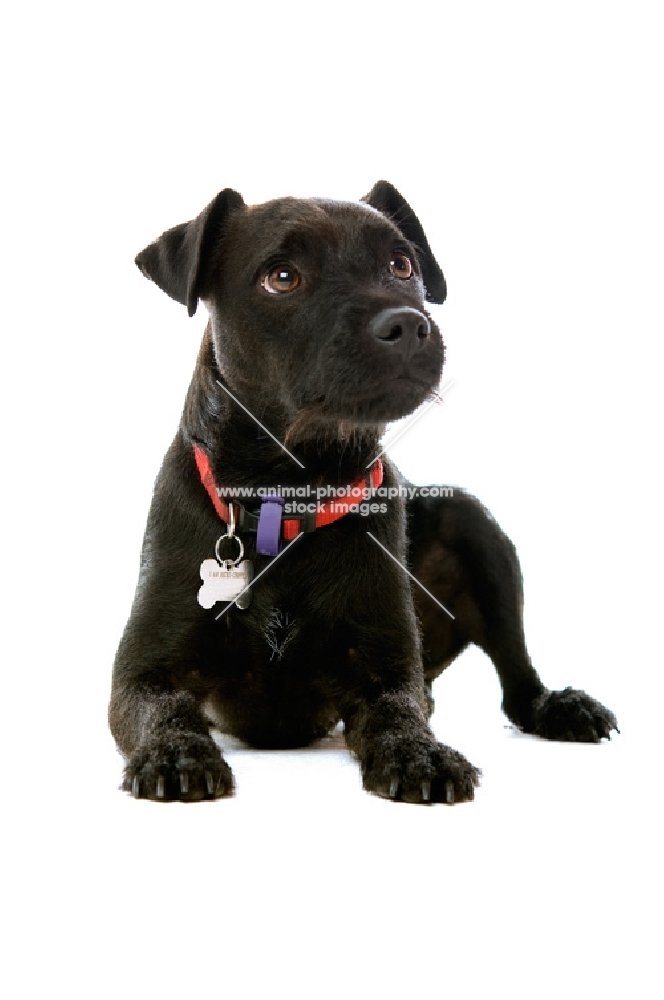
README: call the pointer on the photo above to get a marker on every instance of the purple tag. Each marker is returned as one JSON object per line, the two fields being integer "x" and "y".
{"x": 269, "y": 526}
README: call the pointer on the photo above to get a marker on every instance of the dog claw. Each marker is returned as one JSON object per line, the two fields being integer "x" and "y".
{"x": 449, "y": 792}
{"x": 394, "y": 785}
{"x": 184, "y": 783}
{"x": 426, "y": 791}
{"x": 209, "y": 782}
{"x": 160, "y": 786}
{"x": 136, "y": 787}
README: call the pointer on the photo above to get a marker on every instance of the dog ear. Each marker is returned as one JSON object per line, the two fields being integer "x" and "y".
{"x": 387, "y": 200}
{"x": 176, "y": 261}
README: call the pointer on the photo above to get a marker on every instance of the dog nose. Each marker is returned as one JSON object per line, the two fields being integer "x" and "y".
{"x": 405, "y": 329}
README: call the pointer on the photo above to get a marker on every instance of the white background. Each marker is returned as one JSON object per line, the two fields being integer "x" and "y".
{"x": 527, "y": 137}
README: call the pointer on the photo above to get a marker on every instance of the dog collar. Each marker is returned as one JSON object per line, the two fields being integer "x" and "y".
{"x": 269, "y": 525}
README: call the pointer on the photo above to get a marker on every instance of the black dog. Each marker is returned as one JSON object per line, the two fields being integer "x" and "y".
{"x": 317, "y": 337}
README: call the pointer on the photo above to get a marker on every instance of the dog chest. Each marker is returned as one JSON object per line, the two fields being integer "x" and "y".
{"x": 280, "y": 631}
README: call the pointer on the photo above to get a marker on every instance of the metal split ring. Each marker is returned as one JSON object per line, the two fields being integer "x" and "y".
{"x": 227, "y": 563}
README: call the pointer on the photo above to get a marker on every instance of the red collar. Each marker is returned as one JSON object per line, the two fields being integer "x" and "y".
{"x": 326, "y": 513}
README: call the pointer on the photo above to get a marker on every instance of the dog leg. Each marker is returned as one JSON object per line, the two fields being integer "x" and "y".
{"x": 169, "y": 752}
{"x": 384, "y": 707}
{"x": 462, "y": 556}
{"x": 159, "y": 675}
{"x": 401, "y": 758}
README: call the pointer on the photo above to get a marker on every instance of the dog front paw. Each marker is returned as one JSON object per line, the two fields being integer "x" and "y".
{"x": 572, "y": 716}
{"x": 178, "y": 766}
{"x": 420, "y": 772}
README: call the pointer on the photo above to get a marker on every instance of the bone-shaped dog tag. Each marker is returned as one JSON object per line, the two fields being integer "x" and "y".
{"x": 224, "y": 582}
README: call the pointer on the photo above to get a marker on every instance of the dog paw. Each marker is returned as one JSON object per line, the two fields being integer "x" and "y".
{"x": 572, "y": 716}
{"x": 420, "y": 772}
{"x": 178, "y": 766}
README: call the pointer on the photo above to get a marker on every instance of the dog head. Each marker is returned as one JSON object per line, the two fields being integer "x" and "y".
{"x": 317, "y": 307}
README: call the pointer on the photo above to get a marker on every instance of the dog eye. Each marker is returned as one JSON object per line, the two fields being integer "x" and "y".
{"x": 401, "y": 266}
{"x": 280, "y": 279}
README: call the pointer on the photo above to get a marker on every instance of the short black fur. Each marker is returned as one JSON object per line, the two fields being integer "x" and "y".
{"x": 334, "y": 630}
